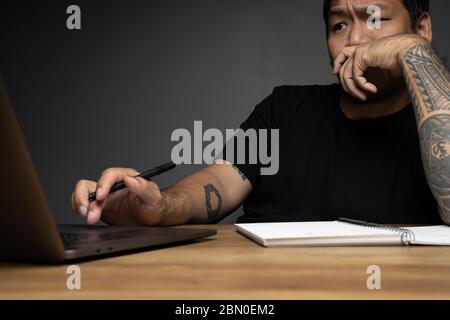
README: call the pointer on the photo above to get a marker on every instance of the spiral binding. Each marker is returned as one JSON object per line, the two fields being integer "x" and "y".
{"x": 406, "y": 235}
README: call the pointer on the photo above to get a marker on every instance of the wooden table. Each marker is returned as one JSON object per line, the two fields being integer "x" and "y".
{"x": 232, "y": 267}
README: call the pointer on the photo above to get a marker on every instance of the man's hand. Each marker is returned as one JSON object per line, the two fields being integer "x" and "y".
{"x": 351, "y": 65}
{"x": 140, "y": 203}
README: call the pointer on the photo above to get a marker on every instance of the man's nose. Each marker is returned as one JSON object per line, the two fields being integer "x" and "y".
{"x": 359, "y": 34}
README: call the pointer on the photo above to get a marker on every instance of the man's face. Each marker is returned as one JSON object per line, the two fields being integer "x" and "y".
{"x": 347, "y": 25}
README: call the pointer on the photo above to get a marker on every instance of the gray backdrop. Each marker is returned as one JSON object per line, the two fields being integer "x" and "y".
{"x": 112, "y": 93}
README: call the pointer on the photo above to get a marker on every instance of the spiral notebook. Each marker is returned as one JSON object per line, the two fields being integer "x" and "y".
{"x": 343, "y": 232}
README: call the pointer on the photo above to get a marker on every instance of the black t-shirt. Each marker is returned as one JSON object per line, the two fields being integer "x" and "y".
{"x": 331, "y": 166}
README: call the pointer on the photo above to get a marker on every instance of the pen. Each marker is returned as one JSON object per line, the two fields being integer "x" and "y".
{"x": 147, "y": 175}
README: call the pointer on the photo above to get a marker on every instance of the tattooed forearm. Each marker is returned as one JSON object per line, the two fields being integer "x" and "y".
{"x": 243, "y": 177}
{"x": 212, "y": 210}
{"x": 428, "y": 80}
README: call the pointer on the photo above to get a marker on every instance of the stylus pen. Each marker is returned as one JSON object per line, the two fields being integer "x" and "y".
{"x": 147, "y": 175}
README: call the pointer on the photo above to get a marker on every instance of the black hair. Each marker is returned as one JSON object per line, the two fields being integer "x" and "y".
{"x": 415, "y": 8}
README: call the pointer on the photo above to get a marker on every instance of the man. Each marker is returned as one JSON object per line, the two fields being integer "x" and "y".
{"x": 351, "y": 150}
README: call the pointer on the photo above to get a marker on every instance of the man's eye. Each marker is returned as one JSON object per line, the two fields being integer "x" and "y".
{"x": 339, "y": 26}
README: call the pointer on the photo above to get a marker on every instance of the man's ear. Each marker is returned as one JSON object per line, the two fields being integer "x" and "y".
{"x": 424, "y": 27}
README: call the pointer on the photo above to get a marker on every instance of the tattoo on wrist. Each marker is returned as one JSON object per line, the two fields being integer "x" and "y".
{"x": 212, "y": 211}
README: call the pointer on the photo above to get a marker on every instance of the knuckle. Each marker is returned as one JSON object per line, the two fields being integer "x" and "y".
{"x": 153, "y": 184}
{"x": 81, "y": 188}
{"x": 80, "y": 184}
{"x": 347, "y": 74}
{"x": 359, "y": 59}
{"x": 107, "y": 175}
{"x": 94, "y": 207}
{"x": 108, "y": 171}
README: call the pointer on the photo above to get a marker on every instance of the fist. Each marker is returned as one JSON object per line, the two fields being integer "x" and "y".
{"x": 382, "y": 56}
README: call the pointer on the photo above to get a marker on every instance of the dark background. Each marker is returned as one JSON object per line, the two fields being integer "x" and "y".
{"x": 112, "y": 93}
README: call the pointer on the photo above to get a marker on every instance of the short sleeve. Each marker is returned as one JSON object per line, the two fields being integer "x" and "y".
{"x": 263, "y": 116}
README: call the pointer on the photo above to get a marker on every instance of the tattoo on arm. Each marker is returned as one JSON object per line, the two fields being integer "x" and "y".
{"x": 212, "y": 211}
{"x": 428, "y": 80}
{"x": 243, "y": 177}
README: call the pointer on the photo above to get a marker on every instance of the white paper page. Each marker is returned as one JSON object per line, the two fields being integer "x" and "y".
{"x": 433, "y": 235}
{"x": 321, "y": 229}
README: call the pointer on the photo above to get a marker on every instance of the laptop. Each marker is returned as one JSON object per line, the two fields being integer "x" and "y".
{"x": 28, "y": 232}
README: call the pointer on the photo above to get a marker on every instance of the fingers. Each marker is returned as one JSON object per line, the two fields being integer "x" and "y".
{"x": 80, "y": 196}
{"x": 342, "y": 58}
{"x": 97, "y": 208}
{"x": 147, "y": 191}
{"x": 95, "y": 211}
{"x": 110, "y": 177}
{"x": 348, "y": 83}
{"x": 359, "y": 66}
{"x": 350, "y": 66}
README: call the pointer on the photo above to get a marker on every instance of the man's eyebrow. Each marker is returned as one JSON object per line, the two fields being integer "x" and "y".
{"x": 337, "y": 10}
{"x": 341, "y": 10}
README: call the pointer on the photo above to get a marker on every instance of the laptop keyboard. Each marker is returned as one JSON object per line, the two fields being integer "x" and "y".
{"x": 71, "y": 239}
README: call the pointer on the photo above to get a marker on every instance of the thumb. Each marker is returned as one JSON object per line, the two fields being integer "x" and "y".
{"x": 147, "y": 191}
